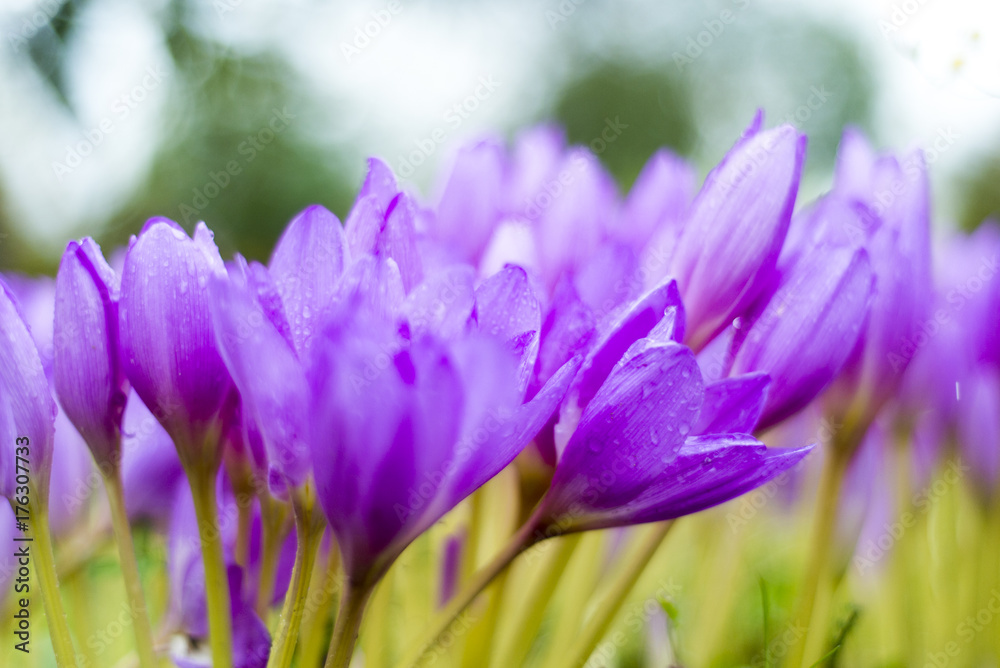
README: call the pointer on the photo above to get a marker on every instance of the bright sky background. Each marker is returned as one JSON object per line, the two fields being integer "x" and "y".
{"x": 937, "y": 66}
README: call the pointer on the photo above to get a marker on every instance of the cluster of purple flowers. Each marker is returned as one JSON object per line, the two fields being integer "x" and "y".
{"x": 374, "y": 374}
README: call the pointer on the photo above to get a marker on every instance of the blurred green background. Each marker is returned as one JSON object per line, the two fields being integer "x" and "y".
{"x": 112, "y": 112}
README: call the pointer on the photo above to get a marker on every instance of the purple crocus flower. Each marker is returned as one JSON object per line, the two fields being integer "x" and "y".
{"x": 169, "y": 350}
{"x": 896, "y": 235}
{"x": 947, "y": 392}
{"x": 734, "y": 233}
{"x": 405, "y": 429}
{"x": 71, "y": 470}
{"x": 803, "y": 334}
{"x": 655, "y": 442}
{"x": 88, "y": 377}
{"x": 27, "y": 410}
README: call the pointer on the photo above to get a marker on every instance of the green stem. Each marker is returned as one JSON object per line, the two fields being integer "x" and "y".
{"x": 618, "y": 591}
{"x": 62, "y": 642}
{"x": 318, "y": 610}
{"x": 345, "y": 633}
{"x": 79, "y": 601}
{"x": 244, "y": 520}
{"x": 480, "y": 645}
{"x": 532, "y": 608}
{"x": 309, "y": 535}
{"x": 273, "y": 531}
{"x": 522, "y": 540}
{"x": 130, "y": 569}
{"x": 220, "y": 630}
{"x": 824, "y": 523}
{"x": 584, "y": 574}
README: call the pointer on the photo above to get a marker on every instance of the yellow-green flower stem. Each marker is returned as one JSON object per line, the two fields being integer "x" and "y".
{"x": 904, "y": 573}
{"x": 79, "y": 605}
{"x": 619, "y": 590}
{"x": 345, "y": 633}
{"x": 274, "y": 529}
{"x": 48, "y": 583}
{"x": 220, "y": 632}
{"x": 520, "y": 541}
{"x": 309, "y": 530}
{"x": 130, "y": 568}
{"x": 318, "y": 610}
{"x": 583, "y": 577}
{"x": 720, "y": 583}
{"x": 480, "y": 638}
{"x": 531, "y": 610}
{"x": 817, "y": 565}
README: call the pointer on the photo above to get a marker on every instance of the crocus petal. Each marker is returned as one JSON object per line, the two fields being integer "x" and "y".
{"x": 36, "y": 297}
{"x": 738, "y": 222}
{"x": 470, "y": 201}
{"x": 442, "y": 304}
{"x": 306, "y": 266}
{"x": 659, "y": 199}
{"x": 896, "y": 236}
{"x": 707, "y": 471}
{"x": 566, "y": 332}
{"x": 534, "y": 161}
{"x": 506, "y": 308}
{"x": 979, "y": 427}
{"x": 513, "y": 242}
{"x": 368, "y": 455}
{"x": 27, "y": 409}
{"x": 496, "y": 427}
{"x": 633, "y": 427}
{"x": 609, "y": 278}
{"x": 380, "y": 183}
{"x": 571, "y": 219}
{"x": 398, "y": 240}
{"x": 88, "y": 374}
{"x": 269, "y": 376}
{"x": 805, "y": 333}
{"x": 733, "y": 405}
{"x": 167, "y": 340}
{"x": 625, "y": 327}
{"x": 361, "y": 231}
{"x": 373, "y": 284}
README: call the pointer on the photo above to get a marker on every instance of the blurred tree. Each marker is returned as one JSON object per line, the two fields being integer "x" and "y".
{"x": 238, "y": 154}
{"x": 977, "y": 192}
{"x": 624, "y": 112}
